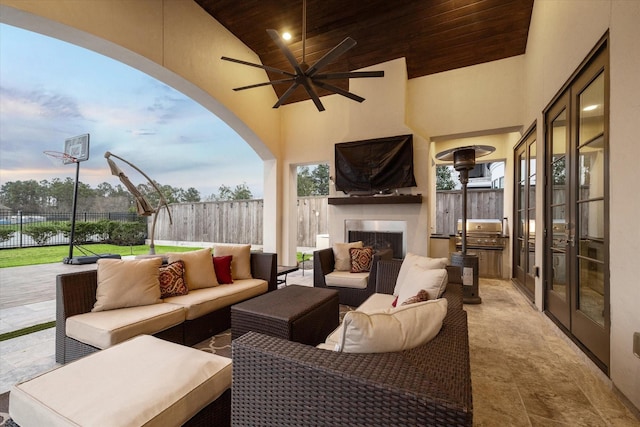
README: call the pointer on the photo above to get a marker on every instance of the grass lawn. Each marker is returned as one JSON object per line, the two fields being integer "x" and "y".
{"x": 52, "y": 254}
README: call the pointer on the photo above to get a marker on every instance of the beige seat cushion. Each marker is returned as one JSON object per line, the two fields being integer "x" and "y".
{"x": 203, "y": 301}
{"x": 345, "y": 279}
{"x": 104, "y": 329}
{"x": 144, "y": 381}
{"x": 198, "y": 268}
{"x": 240, "y": 261}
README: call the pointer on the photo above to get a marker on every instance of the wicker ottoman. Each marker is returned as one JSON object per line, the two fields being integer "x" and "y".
{"x": 296, "y": 313}
{"x": 144, "y": 381}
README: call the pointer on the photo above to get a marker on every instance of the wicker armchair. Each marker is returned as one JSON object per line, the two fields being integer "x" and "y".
{"x": 277, "y": 382}
{"x": 324, "y": 263}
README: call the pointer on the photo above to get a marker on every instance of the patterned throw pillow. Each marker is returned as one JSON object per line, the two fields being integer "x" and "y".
{"x": 172, "y": 281}
{"x": 423, "y": 295}
{"x": 222, "y": 265}
{"x": 360, "y": 259}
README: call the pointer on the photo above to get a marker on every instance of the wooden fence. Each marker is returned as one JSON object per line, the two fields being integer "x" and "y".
{"x": 241, "y": 221}
{"x": 481, "y": 204}
{"x": 237, "y": 221}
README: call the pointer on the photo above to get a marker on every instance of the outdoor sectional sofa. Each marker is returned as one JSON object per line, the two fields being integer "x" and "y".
{"x": 186, "y": 319}
{"x": 285, "y": 383}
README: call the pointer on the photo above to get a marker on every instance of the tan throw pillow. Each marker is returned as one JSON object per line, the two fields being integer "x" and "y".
{"x": 241, "y": 261}
{"x": 198, "y": 268}
{"x": 400, "y": 329}
{"x": 417, "y": 278}
{"x": 420, "y": 297}
{"x": 422, "y": 261}
{"x": 127, "y": 283}
{"x": 341, "y": 255}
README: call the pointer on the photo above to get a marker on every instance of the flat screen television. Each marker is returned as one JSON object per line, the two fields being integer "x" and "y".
{"x": 374, "y": 166}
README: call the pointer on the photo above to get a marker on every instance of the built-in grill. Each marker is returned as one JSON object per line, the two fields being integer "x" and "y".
{"x": 482, "y": 234}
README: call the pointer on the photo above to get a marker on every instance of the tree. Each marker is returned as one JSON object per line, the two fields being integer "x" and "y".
{"x": 26, "y": 196}
{"x": 190, "y": 195}
{"x": 305, "y": 182}
{"x": 313, "y": 182}
{"x": 444, "y": 180}
{"x": 321, "y": 178}
{"x": 240, "y": 192}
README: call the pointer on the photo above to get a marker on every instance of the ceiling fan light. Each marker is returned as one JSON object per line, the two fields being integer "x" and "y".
{"x": 286, "y": 36}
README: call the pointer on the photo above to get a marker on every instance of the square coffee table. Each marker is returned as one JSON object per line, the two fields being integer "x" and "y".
{"x": 297, "y": 313}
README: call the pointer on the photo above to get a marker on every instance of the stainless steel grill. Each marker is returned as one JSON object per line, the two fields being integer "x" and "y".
{"x": 482, "y": 234}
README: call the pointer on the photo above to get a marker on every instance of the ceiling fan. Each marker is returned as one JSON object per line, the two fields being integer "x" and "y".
{"x": 307, "y": 76}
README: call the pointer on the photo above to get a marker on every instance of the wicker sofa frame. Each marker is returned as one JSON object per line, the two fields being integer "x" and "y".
{"x": 76, "y": 294}
{"x": 277, "y": 382}
{"x": 323, "y": 264}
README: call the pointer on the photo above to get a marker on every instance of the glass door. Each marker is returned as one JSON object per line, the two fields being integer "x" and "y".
{"x": 576, "y": 243}
{"x": 525, "y": 214}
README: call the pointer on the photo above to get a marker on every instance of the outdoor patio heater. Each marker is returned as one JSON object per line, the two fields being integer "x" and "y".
{"x": 464, "y": 160}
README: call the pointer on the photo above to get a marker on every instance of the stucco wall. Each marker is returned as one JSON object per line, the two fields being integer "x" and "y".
{"x": 561, "y": 35}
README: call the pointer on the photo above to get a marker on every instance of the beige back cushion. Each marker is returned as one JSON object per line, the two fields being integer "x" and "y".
{"x": 433, "y": 280}
{"x": 127, "y": 283}
{"x": 341, "y": 255}
{"x": 397, "y": 329}
{"x": 198, "y": 268}
{"x": 422, "y": 261}
{"x": 240, "y": 261}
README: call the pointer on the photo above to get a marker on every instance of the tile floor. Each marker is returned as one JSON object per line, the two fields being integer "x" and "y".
{"x": 524, "y": 371}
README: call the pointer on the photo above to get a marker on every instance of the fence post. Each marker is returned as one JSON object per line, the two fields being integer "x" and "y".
{"x": 20, "y": 227}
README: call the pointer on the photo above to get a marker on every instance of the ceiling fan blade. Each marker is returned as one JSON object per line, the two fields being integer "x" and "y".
{"x": 339, "y": 91}
{"x": 334, "y": 53}
{"x": 349, "y": 75}
{"x": 283, "y": 47}
{"x": 273, "y": 82}
{"x": 264, "y": 67}
{"x": 312, "y": 93}
{"x": 287, "y": 94}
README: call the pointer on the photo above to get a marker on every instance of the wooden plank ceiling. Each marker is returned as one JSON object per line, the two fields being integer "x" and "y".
{"x": 433, "y": 35}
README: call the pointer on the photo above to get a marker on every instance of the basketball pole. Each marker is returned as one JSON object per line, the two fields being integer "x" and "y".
{"x": 73, "y": 215}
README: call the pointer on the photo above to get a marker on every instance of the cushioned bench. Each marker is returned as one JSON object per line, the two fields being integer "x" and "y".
{"x": 145, "y": 381}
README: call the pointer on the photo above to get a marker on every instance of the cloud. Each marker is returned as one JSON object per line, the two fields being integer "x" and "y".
{"x": 20, "y": 103}
{"x": 173, "y": 139}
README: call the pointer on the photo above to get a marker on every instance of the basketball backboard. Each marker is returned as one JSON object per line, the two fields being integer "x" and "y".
{"x": 78, "y": 148}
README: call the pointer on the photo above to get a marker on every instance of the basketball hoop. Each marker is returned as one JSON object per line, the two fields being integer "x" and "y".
{"x": 60, "y": 158}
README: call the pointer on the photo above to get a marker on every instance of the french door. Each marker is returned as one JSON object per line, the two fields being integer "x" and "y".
{"x": 576, "y": 202}
{"x": 524, "y": 254}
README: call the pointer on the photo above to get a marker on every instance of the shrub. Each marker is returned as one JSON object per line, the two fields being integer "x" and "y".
{"x": 5, "y": 234}
{"x": 83, "y": 231}
{"x": 128, "y": 233}
{"x": 41, "y": 233}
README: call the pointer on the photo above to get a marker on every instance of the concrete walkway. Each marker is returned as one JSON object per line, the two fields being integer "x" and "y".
{"x": 28, "y": 298}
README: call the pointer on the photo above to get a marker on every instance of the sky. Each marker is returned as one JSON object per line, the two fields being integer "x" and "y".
{"x": 51, "y": 90}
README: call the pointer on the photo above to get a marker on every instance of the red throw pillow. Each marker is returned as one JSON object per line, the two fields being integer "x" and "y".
{"x": 222, "y": 265}
{"x": 172, "y": 280}
{"x": 360, "y": 259}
